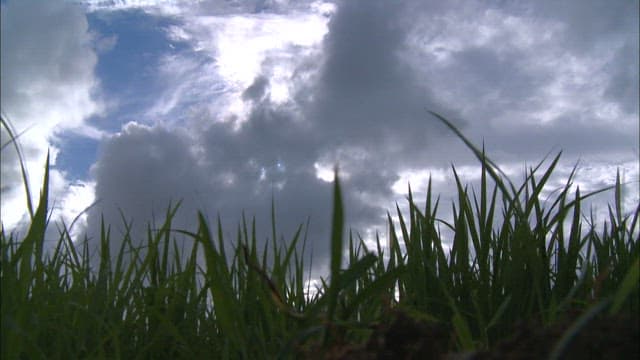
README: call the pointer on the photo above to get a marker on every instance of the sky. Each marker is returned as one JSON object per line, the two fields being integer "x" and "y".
{"x": 226, "y": 105}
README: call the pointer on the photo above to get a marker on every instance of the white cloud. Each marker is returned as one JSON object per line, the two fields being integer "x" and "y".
{"x": 163, "y": 7}
{"x": 225, "y": 53}
{"x": 48, "y": 86}
{"x": 69, "y": 201}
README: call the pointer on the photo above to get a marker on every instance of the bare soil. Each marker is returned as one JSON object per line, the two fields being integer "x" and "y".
{"x": 403, "y": 337}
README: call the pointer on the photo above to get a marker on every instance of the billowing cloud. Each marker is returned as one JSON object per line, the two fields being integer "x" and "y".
{"x": 48, "y": 87}
{"x": 258, "y": 100}
{"x": 359, "y": 121}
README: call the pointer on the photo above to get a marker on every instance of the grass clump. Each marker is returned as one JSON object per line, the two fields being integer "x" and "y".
{"x": 513, "y": 258}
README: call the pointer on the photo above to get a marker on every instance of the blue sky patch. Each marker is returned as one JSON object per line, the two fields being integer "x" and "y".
{"x": 128, "y": 72}
{"x": 77, "y": 154}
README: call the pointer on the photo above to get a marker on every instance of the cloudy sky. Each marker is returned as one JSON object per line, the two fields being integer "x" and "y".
{"x": 228, "y": 104}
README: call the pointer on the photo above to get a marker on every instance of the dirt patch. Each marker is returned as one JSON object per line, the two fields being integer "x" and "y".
{"x": 604, "y": 337}
{"x": 404, "y": 337}
{"x": 399, "y": 337}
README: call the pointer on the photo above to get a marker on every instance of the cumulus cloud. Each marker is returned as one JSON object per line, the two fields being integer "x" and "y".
{"x": 260, "y": 122}
{"x": 276, "y": 150}
{"x": 48, "y": 87}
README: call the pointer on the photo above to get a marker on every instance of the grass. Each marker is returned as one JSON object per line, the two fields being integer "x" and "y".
{"x": 514, "y": 257}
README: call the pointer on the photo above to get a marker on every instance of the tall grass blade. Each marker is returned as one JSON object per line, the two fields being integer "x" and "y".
{"x": 337, "y": 229}
{"x": 13, "y": 137}
{"x": 629, "y": 285}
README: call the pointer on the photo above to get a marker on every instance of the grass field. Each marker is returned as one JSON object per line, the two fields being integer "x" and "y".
{"x": 514, "y": 257}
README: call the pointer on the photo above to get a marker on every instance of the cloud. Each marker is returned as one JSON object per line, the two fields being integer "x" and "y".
{"x": 277, "y": 148}
{"x": 141, "y": 171}
{"x": 161, "y": 7}
{"x": 48, "y": 87}
{"x": 238, "y": 123}
{"x": 622, "y": 88}
{"x": 368, "y": 96}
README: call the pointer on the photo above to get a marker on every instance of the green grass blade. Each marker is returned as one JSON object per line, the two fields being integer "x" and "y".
{"x": 337, "y": 229}
{"x": 23, "y": 170}
{"x": 628, "y": 286}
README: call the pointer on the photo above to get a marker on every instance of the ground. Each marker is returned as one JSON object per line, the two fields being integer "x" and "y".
{"x": 403, "y": 337}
